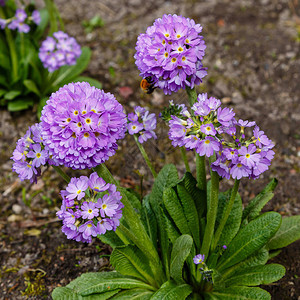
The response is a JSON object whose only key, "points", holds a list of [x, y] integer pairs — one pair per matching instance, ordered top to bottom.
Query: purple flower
{"points": [[2, 2], [20, 15], [36, 17], [2, 23], [58, 50], [170, 52], [225, 116], [81, 125], [134, 127], [208, 129], [262, 139], [207, 146], [38, 155], [248, 157], [238, 171], [96, 183], [77, 187], [107, 205], [89, 210], [104, 225], [88, 229], [224, 247], [199, 259]]}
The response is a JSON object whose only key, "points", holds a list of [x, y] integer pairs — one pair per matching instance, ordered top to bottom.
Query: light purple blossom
{"points": [[36, 17], [58, 50], [171, 53], [81, 125], [208, 146], [38, 155], [76, 188], [89, 210], [199, 259]]}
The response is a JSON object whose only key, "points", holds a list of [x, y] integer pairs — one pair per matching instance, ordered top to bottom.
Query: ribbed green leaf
{"points": [[31, 86], [12, 95], [19, 104], [136, 203], [257, 203], [175, 210], [190, 212], [233, 222], [170, 228], [288, 233], [111, 238], [250, 239], [181, 250], [260, 257], [130, 260], [257, 275], [92, 283], [171, 291], [64, 293], [239, 293], [133, 294]]}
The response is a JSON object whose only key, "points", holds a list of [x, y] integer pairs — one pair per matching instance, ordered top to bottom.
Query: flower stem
{"points": [[192, 94], [146, 157], [185, 160], [201, 172], [61, 173], [212, 208], [227, 213]]}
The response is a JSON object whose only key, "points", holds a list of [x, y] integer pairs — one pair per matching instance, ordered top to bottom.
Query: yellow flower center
{"points": [[178, 36], [180, 49], [183, 58], [174, 59], [75, 112], [83, 112], [69, 120], [88, 121], [79, 124], [86, 134], [207, 142], [38, 155], [247, 155], [78, 192], [104, 206], [90, 211], [89, 225]]}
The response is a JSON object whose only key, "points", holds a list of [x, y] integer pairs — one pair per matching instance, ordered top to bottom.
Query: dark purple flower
{"points": [[58, 50], [170, 52], [81, 125]]}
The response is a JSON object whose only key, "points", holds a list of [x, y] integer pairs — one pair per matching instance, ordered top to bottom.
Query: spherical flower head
{"points": [[58, 50], [171, 53], [142, 123], [81, 125], [30, 155], [90, 207], [199, 259]]}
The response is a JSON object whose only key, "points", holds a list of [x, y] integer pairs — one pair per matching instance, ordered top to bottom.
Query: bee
{"points": [[147, 85]]}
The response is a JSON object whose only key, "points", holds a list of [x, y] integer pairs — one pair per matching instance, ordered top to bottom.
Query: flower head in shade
{"points": [[2, 2], [58, 50], [171, 53], [143, 123], [81, 125], [201, 129], [30, 154], [243, 156], [91, 213], [199, 259]]}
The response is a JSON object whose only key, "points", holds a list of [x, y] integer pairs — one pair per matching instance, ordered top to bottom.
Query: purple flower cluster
{"points": [[20, 21], [58, 51], [170, 52], [142, 123], [81, 125], [201, 129], [30, 155], [244, 157], [90, 207]]}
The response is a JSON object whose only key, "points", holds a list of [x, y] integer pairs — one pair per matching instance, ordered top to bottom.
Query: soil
{"points": [[253, 60]]}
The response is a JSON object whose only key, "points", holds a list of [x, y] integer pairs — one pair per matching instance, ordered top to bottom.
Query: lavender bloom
{"points": [[2, 2], [36, 17], [2, 23], [58, 50], [170, 52], [142, 123], [81, 125], [30, 155], [91, 213], [199, 259]]}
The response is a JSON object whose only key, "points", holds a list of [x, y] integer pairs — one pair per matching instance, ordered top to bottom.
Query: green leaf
{"points": [[43, 24], [66, 74], [91, 81], [31, 86], [12, 95], [19, 104], [41, 105], [133, 199], [257, 203], [175, 210], [190, 212], [233, 222], [170, 227], [288, 233], [111, 238], [249, 239], [181, 250], [274, 253], [260, 257], [130, 260], [257, 275], [91, 283], [171, 291], [64, 293], [239, 293], [134, 294]]}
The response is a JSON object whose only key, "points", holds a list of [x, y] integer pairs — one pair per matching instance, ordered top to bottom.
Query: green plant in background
{"points": [[93, 23], [24, 79]]}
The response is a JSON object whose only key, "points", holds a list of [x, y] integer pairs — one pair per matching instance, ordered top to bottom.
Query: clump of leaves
{"points": [[93, 23]]}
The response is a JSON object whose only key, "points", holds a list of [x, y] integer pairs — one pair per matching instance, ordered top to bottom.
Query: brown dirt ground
{"points": [[253, 62]]}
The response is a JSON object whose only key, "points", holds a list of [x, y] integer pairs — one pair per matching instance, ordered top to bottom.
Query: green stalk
{"points": [[52, 14], [13, 53], [192, 94], [146, 157], [185, 160], [201, 172], [61, 173], [212, 209], [227, 213], [136, 231]]}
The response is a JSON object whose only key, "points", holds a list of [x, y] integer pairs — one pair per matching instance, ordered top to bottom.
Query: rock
{"points": [[17, 209]]}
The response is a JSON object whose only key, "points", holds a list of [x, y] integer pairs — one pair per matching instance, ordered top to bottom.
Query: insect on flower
{"points": [[147, 85]]}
